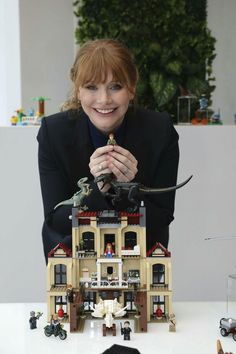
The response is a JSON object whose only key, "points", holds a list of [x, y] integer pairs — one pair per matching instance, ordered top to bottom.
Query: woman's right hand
{"points": [[99, 164]]}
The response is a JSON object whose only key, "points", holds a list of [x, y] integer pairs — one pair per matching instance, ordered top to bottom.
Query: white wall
{"points": [[221, 20], [37, 49], [47, 51], [10, 76], [204, 208], [22, 265]]}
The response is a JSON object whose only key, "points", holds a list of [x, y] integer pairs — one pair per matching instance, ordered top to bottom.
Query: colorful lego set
{"points": [[108, 273]]}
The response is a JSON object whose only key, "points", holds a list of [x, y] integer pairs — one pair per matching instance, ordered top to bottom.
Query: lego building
{"points": [[109, 260]]}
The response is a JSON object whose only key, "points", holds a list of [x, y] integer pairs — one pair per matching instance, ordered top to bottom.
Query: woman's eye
{"points": [[91, 87], [116, 87]]}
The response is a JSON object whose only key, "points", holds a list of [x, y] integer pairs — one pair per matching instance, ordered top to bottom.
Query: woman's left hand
{"points": [[122, 163]]}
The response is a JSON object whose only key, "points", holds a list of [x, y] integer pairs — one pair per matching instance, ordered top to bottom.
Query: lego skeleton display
{"points": [[108, 309]]}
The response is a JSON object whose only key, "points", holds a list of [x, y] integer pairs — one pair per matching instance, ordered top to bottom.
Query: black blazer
{"points": [[64, 151]]}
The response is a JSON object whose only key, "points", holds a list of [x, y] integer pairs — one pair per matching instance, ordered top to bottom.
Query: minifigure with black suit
{"points": [[126, 330]]}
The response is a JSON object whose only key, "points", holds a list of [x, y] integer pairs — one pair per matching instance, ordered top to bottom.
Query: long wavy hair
{"points": [[93, 62]]}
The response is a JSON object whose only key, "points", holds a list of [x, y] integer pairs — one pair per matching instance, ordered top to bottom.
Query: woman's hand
{"points": [[113, 159], [122, 164], [99, 165]]}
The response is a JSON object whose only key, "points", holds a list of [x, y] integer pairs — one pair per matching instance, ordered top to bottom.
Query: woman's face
{"points": [[105, 103]]}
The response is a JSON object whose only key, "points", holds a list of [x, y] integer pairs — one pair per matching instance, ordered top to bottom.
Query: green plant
{"points": [[172, 46]]}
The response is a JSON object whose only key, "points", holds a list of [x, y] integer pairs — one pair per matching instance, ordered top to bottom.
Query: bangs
{"points": [[95, 67]]}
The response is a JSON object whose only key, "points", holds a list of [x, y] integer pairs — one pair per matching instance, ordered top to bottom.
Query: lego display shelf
{"points": [[197, 333]]}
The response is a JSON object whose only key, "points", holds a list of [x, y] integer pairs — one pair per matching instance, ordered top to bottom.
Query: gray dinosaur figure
{"points": [[78, 197]]}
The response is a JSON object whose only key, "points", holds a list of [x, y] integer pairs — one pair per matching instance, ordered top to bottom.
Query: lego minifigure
{"points": [[111, 140], [109, 251], [69, 293], [60, 312], [159, 312], [33, 319], [172, 323], [55, 324], [55, 328], [126, 330]]}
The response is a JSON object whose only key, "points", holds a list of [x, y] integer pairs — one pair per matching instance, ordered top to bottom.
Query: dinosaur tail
{"points": [[164, 190]]}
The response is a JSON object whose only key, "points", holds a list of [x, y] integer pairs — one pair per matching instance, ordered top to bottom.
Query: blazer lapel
{"points": [[134, 141]]}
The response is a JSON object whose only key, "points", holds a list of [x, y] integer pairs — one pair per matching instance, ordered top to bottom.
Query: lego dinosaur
{"points": [[132, 189], [77, 199]]}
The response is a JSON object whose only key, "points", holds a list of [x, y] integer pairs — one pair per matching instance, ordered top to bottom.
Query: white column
{"points": [[98, 272], [120, 272]]}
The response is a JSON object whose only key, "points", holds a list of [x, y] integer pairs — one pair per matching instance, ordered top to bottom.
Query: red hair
{"points": [[93, 62]]}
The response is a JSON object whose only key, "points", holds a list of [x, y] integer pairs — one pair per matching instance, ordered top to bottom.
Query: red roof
{"points": [[123, 213], [87, 214], [158, 245], [66, 249]]}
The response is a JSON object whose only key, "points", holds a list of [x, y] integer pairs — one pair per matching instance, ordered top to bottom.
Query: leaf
{"points": [[174, 67], [197, 86], [163, 88]]}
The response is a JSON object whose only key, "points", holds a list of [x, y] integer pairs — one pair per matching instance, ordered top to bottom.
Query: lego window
{"points": [[130, 240], [88, 241], [60, 274], [133, 274], [158, 274], [109, 295], [89, 299], [129, 301], [60, 302], [158, 306]]}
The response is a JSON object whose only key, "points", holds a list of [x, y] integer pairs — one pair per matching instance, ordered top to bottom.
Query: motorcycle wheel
{"points": [[47, 333], [62, 335]]}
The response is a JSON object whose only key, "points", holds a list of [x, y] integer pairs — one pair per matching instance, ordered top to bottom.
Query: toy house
{"points": [[109, 260]]}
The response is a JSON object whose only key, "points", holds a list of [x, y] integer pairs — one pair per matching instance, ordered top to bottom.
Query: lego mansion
{"points": [[109, 260]]}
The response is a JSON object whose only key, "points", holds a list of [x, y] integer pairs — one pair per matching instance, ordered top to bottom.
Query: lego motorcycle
{"points": [[58, 331]]}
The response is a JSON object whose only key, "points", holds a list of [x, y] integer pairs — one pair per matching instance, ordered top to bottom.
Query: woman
{"points": [[73, 143]]}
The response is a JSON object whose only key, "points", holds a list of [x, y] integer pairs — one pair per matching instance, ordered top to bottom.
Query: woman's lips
{"points": [[105, 111]]}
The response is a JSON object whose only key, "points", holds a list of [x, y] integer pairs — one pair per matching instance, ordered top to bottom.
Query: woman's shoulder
{"points": [[61, 119], [59, 126]]}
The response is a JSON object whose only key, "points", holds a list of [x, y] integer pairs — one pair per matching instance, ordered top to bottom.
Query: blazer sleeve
{"points": [[54, 184]]}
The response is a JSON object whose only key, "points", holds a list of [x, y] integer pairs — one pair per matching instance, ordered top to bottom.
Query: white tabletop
{"points": [[197, 332]]}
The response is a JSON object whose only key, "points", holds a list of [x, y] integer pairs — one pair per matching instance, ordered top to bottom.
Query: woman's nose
{"points": [[103, 96]]}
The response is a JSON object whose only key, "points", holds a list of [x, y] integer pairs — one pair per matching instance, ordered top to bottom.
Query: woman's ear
{"points": [[132, 94]]}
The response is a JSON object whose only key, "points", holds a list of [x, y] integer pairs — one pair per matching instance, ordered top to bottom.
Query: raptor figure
{"points": [[132, 189], [77, 199]]}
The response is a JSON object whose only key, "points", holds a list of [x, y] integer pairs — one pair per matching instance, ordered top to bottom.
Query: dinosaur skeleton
{"points": [[108, 309]]}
